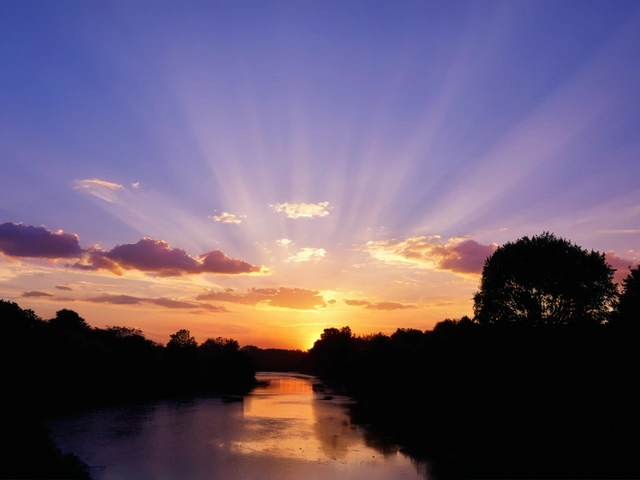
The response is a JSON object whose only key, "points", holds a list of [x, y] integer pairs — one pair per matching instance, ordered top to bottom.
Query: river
{"points": [[283, 429]]}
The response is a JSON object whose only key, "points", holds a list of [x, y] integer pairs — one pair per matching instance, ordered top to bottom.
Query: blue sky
{"points": [[367, 151]]}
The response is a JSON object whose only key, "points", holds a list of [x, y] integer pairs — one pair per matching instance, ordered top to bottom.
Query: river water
{"points": [[281, 430]]}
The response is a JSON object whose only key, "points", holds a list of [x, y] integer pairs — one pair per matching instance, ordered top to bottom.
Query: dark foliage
{"points": [[543, 280], [628, 314], [63, 364]]}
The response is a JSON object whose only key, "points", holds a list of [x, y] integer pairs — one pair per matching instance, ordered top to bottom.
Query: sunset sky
{"points": [[263, 170]]}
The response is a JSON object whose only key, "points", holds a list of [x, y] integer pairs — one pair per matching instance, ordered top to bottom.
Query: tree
{"points": [[545, 280], [629, 306], [69, 320], [182, 339], [220, 345]]}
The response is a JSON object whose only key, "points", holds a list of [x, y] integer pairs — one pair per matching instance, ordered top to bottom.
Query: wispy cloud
{"points": [[136, 185], [99, 188], [303, 210], [226, 217], [615, 232], [19, 240], [308, 254], [458, 255], [63, 287], [297, 298], [159, 301], [384, 306]]}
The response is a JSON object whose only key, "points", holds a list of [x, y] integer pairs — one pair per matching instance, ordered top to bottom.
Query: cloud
{"points": [[95, 182], [136, 185], [99, 188], [303, 210], [226, 217], [622, 231], [19, 240], [284, 242], [307, 255], [458, 255], [156, 256], [622, 266], [63, 287], [36, 294], [296, 298], [116, 299], [160, 301], [331, 302], [379, 305]]}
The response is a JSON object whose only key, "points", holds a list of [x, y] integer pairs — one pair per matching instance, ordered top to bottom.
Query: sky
{"points": [[263, 170]]}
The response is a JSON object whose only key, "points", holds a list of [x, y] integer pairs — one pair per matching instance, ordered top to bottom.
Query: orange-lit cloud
{"points": [[96, 182], [99, 188], [303, 210], [226, 217], [19, 240], [308, 254], [458, 255], [156, 256], [622, 266], [36, 294], [297, 298], [160, 301], [379, 305]]}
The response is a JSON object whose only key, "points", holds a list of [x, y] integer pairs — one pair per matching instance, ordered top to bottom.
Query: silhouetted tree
{"points": [[545, 280], [628, 314], [69, 320], [124, 332], [182, 339], [220, 345], [330, 354]]}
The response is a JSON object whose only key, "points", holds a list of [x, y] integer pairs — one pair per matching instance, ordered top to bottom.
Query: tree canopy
{"points": [[545, 280], [629, 306], [182, 339]]}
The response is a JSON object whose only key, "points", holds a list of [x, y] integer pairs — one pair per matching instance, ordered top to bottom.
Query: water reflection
{"points": [[282, 430]]}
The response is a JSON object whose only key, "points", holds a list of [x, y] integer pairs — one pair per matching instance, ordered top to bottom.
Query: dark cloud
{"points": [[19, 240], [146, 255], [156, 256], [63, 287], [36, 294], [297, 298], [160, 301], [331, 302], [378, 305]]}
